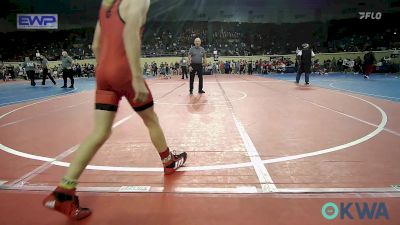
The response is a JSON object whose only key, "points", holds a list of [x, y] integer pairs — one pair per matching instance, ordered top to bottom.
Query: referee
{"points": [[197, 58], [66, 64], [45, 67]]}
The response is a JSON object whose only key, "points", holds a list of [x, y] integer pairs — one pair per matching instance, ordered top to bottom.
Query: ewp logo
{"points": [[370, 15], [37, 21], [362, 211]]}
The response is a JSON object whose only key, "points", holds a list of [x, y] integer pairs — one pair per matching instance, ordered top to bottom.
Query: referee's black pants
{"points": [[197, 68], [306, 71], [68, 73], [45, 74], [31, 76]]}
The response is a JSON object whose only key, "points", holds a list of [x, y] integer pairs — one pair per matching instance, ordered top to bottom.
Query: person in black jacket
{"points": [[304, 56]]}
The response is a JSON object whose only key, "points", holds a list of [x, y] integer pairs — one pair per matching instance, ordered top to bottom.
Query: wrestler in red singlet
{"points": [[117, 49], [113, 74]]}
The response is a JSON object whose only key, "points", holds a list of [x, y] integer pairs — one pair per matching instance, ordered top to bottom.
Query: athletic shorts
{"points": [[109, 94]]}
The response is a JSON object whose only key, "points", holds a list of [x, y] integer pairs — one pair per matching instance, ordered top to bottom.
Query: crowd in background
{"points": [[229, 39], [278, 64], [14, 71]]}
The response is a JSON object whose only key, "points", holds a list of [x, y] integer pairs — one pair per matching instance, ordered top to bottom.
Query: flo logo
{"points": [[370, 15], [351, 211]]}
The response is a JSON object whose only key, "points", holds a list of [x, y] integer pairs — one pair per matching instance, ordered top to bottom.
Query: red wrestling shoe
{"points": [[173, 162], [66, 202]]}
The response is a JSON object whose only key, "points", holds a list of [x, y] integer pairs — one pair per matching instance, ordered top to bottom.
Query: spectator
{"points": [[369, 61]]}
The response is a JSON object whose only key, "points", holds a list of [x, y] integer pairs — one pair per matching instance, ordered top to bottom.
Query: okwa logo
{"points": [[370, 15], [355, 210]]}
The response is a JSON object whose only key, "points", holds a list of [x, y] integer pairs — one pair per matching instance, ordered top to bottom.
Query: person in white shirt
{"points": [[304, 56]]}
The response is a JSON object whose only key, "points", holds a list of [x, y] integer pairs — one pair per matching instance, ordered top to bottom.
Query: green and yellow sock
{"points": [[67, 183]]}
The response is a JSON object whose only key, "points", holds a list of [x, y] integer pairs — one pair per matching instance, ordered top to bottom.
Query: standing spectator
{"points": [[304, 57], [369, 61], [333, 65], [340, 65], [345, 65], [351, 65], [358, 65], [1, 66], [327, 66], [221, 67], [227, 67], [237, 67], [242, 67], [258, 67], [145, 68], [172, 68], [178, 68], [184, 68], [214, 68], [250, 68], [154, 69], [167, 69], [78, 70], [162, 70], [259, 70], [11, 71], [3, 72], [21, 72]]}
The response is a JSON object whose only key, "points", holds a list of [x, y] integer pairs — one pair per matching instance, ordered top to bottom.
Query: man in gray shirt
{"points": [[197, 58], [66, 65], [45, 66], [29, 67]]}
